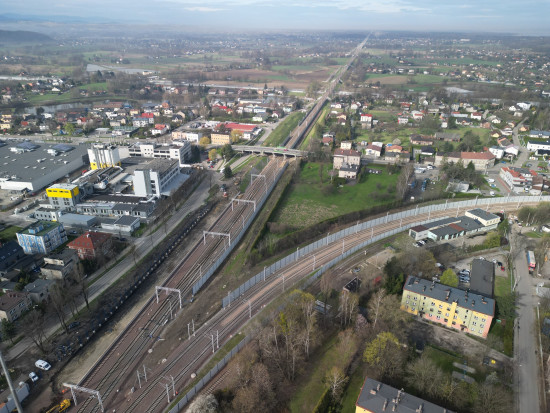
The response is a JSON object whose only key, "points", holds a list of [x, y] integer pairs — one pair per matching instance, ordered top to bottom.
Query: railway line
{"points": [[192, 353], [123, 357]]}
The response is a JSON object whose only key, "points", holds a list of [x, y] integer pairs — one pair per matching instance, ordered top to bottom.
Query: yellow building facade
{"points": [[451, 307]]}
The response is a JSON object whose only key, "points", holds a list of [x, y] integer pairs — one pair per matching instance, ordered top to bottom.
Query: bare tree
{"points": [[407, 172], [79, 279], [326, 288], [58, 302], [307, 304], [375, 305], [347, 308], [33, 327], [425, 376], [336, 380], [492, 399]]}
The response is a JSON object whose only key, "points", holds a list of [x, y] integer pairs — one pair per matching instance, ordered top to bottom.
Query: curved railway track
{"points": [[191, 354]]}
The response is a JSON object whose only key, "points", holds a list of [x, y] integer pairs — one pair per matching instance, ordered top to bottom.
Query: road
{"points": [[143, 247], [526, 342]]}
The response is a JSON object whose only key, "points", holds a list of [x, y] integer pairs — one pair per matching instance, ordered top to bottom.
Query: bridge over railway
{"points": [[266, 150]]}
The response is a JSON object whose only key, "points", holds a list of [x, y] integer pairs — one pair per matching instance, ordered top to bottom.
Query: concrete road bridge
{"points": [[266, 150]]}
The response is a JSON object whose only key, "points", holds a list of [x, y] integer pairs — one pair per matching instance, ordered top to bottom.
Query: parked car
{"points": [[490, 180], [42, 364], [33, 376]]}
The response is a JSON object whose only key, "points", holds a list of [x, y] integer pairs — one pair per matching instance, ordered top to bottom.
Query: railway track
{"points": [[133, 343]]}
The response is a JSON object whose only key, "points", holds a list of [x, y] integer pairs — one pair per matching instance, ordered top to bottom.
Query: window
{"points": [[415, 298], [407, 302], [433, 303], [440, 306], [448, 308], [446, 314], [438, 317], [475, 317], [454, 318], [483, 319], [446, 320], [454, 323], [474, 323], [482, 325], [481, 331]]}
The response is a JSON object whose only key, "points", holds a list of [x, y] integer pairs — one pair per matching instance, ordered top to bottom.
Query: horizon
{"points": [[491, 17]]}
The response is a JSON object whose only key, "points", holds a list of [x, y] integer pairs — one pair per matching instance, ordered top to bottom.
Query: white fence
{"points": [[482, 203]]}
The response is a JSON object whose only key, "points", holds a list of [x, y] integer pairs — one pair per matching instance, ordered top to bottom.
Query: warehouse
{"points": [[30, 166]]}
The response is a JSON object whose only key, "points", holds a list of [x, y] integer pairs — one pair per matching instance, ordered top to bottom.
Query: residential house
{"points": [[476, 116], [366, 118], [402, 120], [160, 129], [541, 134], [447, 137], [220, 138], [328, 140], [421, 140], [346, 145], [536, 145], [390, 148], [373, 150], [498, 152], [346, 156], [480, 160], [348, 171], [517, 178], [92, 245], [10, 253], [59, 266], [39, 290], [13, 304], [454, 308], [378, 397]]}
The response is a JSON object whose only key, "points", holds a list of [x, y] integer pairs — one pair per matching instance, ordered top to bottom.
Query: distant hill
{"points": [[21, 36]]}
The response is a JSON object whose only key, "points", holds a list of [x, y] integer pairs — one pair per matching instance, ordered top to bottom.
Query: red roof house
{"points": [[92, 245]]}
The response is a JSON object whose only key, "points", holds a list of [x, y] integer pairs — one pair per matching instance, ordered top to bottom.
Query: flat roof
{"points": [[25, 165], [159, 165], [119, 199], [485, 215], [126, 220], [46, 225], [482, 277], [464, 299], [377, 397]]}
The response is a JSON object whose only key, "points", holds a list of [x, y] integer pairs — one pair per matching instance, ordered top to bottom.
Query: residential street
{"points": [[143, 246], [526, 342]]}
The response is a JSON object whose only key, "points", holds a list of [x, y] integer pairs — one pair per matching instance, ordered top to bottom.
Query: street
{"points": [[526, 342]]}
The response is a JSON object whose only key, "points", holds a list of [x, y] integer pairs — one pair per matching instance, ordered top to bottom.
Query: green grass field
{"points": [[92, 87], [281, 132], [310, 201], [9, 233], [502, 285], [352, 391]]}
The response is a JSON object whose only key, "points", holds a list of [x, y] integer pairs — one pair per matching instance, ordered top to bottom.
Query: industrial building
{"points": [[180, 152], [103, 156], [30, 167], [155, 178], [63, 196], [476, 220]]}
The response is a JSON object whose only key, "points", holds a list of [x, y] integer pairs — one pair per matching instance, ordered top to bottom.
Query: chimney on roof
{"points": [[473, 302], [378, 387], [373, 391], [385, 405], [394, 407], [419, 410]]}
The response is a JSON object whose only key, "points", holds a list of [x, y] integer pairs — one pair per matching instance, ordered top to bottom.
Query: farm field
{"points": [[311, 199]]}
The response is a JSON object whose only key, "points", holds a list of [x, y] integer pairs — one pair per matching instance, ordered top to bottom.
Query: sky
{"points": [[522, 17]]}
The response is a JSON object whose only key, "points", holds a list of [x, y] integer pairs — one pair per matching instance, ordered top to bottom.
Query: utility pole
{"points": [[249, 310], [10, 384]]}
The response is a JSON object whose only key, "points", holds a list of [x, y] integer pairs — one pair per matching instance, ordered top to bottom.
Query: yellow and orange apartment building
{"points": [[452, 307]]}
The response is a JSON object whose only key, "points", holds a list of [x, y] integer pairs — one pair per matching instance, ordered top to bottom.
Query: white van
{"points": [[41, 364]]}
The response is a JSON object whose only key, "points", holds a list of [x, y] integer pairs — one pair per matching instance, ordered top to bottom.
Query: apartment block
{"points": [[452, 307]]}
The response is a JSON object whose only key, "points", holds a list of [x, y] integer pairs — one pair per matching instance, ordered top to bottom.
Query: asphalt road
{"points": [[526, 342]]}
